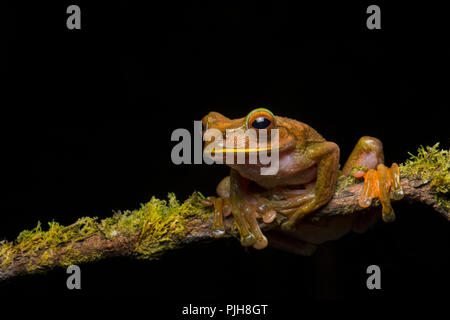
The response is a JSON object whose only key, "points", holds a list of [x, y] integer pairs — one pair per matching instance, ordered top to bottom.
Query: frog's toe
{"points": [[394, 178], [384, 184], [370, 188], [208, 202], [226, 207], [388, 213], [269, 216], [288, 226], [218, 229], [218, 233], [248, 240], [261, 243]]}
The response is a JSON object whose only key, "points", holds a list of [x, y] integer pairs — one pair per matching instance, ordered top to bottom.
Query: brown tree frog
{"points": [[304, 182]]}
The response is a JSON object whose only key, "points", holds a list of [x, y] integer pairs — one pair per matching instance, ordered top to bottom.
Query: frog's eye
{"points": [[260, 119]]}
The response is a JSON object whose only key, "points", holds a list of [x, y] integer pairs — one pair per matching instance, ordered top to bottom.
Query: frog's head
{"points": [[251, 134]]}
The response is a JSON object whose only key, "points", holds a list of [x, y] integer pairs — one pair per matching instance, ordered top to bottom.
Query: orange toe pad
{"points": [[384, 184]]}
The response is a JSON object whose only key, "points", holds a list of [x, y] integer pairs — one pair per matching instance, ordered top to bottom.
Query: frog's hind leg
{"points": [[367, 153], [327, 155], [379, 181]]}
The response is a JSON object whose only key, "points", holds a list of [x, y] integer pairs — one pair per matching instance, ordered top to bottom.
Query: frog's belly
{"points": [[290, 173], [291, 179]]}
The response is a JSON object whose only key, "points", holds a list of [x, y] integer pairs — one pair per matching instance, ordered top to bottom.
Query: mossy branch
{"points": [[159, 225]]}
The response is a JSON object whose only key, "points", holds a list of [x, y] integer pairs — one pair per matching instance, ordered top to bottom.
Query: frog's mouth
{"points": [[248, 145], [241, 146], [240, 150], [223, 153]]}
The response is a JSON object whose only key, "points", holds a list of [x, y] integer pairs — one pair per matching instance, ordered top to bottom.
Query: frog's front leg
{"points": [[326, 155], [379, 181], [234, 198], [222, 207], [244, 212]]}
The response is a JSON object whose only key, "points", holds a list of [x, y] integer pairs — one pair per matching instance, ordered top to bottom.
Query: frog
{"points": [[304, 182]]}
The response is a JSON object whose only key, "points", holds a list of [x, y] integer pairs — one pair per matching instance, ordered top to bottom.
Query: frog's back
{"points": [[303, 132]]}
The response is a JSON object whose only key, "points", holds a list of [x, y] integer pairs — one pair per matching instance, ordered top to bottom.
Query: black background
{"points": [[88, 115]]}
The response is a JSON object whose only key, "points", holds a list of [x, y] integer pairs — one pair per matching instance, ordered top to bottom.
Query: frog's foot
{"points": [[384, 184], [283, 201], [244, 203], [309, 204], [287, 207], [295, 207], [245, 215], [255, 238]]}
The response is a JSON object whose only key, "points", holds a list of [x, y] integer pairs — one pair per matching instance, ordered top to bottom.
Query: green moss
{"points": [[431, 165], [345, 181], [443, 202], [163, 222], [157, 224], [36, 239], [29, 242], [6, 253], [73, 256], [64, 257]]}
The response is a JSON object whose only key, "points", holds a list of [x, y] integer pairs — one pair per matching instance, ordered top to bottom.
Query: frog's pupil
{"points": [[260, 123]]}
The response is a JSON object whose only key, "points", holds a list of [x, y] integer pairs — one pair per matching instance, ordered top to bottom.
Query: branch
{"points": [[159, 226]]}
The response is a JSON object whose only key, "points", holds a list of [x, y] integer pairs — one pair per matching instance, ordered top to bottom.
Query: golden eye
{"points": [[260, 119]]}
